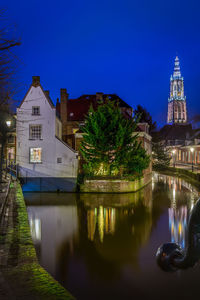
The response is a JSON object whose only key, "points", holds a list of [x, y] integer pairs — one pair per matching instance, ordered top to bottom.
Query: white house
{"points": [[45, 162]]}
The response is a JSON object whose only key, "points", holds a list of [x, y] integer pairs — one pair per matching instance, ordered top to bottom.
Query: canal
{"points": [[103, 246]]}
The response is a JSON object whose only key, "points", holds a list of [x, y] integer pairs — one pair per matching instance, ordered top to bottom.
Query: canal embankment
{"points": [[188, 175], [110, 185], [22, 277]]}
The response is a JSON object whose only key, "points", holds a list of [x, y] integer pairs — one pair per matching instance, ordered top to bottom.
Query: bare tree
{"points": [[7, 42]]}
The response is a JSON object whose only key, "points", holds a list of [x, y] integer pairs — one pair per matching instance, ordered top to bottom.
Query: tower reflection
{"points": [[178, 225]]}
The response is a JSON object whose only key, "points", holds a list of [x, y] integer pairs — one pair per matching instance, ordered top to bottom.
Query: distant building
{"points": [[177, 111], [175, 134], [45, 162]]}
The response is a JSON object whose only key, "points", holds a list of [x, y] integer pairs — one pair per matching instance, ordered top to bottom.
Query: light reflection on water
{"points": [[103, 240]]}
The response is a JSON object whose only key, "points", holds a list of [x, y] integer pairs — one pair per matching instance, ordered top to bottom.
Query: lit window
{"points": [[35, 110], [71, 114], [35, 132], [35, 155]]}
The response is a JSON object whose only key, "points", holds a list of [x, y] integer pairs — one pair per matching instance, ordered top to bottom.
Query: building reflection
{"points": [[35, 226], [51, 226]]}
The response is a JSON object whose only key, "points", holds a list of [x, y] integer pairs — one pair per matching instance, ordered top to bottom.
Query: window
{"points": [[35, 110], [35, 132], [11, 139], [10, 154], [35, 155], [59, 160]]}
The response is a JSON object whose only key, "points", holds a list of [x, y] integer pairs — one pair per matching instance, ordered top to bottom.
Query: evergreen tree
{"points": [[145, 117], [109, 145], [161, 157]]}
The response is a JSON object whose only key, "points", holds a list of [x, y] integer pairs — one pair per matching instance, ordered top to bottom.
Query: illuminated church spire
{"points": [[177, 72], [177, 112]]}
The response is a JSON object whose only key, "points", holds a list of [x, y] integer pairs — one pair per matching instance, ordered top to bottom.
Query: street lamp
{"points": [[8, 123], [5, 125], [192, 150], [173, 153]]}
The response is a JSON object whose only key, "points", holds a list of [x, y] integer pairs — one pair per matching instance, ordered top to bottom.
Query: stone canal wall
{"points": [[188, 175], [114, 186], [20, 267]]}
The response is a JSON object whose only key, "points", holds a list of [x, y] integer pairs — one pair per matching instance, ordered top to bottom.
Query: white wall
{"points": [[51, 146]]}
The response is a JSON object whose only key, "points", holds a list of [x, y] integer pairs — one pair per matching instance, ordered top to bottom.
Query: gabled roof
{"points": [[36, 83], [78, 108], [176, 132]]}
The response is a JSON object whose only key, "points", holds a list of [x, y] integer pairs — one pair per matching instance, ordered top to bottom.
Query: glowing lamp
{"points": [[8, 123]]}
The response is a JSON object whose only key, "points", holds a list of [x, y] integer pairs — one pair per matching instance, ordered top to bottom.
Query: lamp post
{"points": [[3, 132], [192, 150], [173, 153]]}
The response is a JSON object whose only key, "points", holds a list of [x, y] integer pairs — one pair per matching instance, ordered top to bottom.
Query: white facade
{"points": [[40, 151]]}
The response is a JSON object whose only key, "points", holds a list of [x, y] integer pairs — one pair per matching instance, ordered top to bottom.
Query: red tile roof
{"points": [[78, 108]]}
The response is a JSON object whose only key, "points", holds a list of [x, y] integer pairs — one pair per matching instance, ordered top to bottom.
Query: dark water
{"points": [[104, 246]]}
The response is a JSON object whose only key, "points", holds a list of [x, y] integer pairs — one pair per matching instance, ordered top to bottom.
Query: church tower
{"points": [[177, 112]]}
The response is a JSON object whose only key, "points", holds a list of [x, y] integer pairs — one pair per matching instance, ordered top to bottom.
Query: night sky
{"points": [[123, 47]]}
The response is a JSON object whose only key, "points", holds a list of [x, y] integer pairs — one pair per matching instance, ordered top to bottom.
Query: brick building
{"points": [[73, 111], [183, 144]]}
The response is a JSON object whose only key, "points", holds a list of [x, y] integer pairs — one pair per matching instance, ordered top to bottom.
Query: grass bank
{"points": [[24, 274]]}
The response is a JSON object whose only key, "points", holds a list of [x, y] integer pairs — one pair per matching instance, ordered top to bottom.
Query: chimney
{"points": [[35, 81], [47, 93], [99, 96], [63, 110]]}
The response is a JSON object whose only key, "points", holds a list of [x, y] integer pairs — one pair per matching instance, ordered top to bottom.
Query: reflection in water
{"points": [[178, 214], [104, 217], [178, 224], [35, 225], [50, 226], [102, 241], [170, 256]]}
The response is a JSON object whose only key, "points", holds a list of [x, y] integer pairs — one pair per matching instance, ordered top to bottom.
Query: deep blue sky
{"points": [[123, 47]]}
